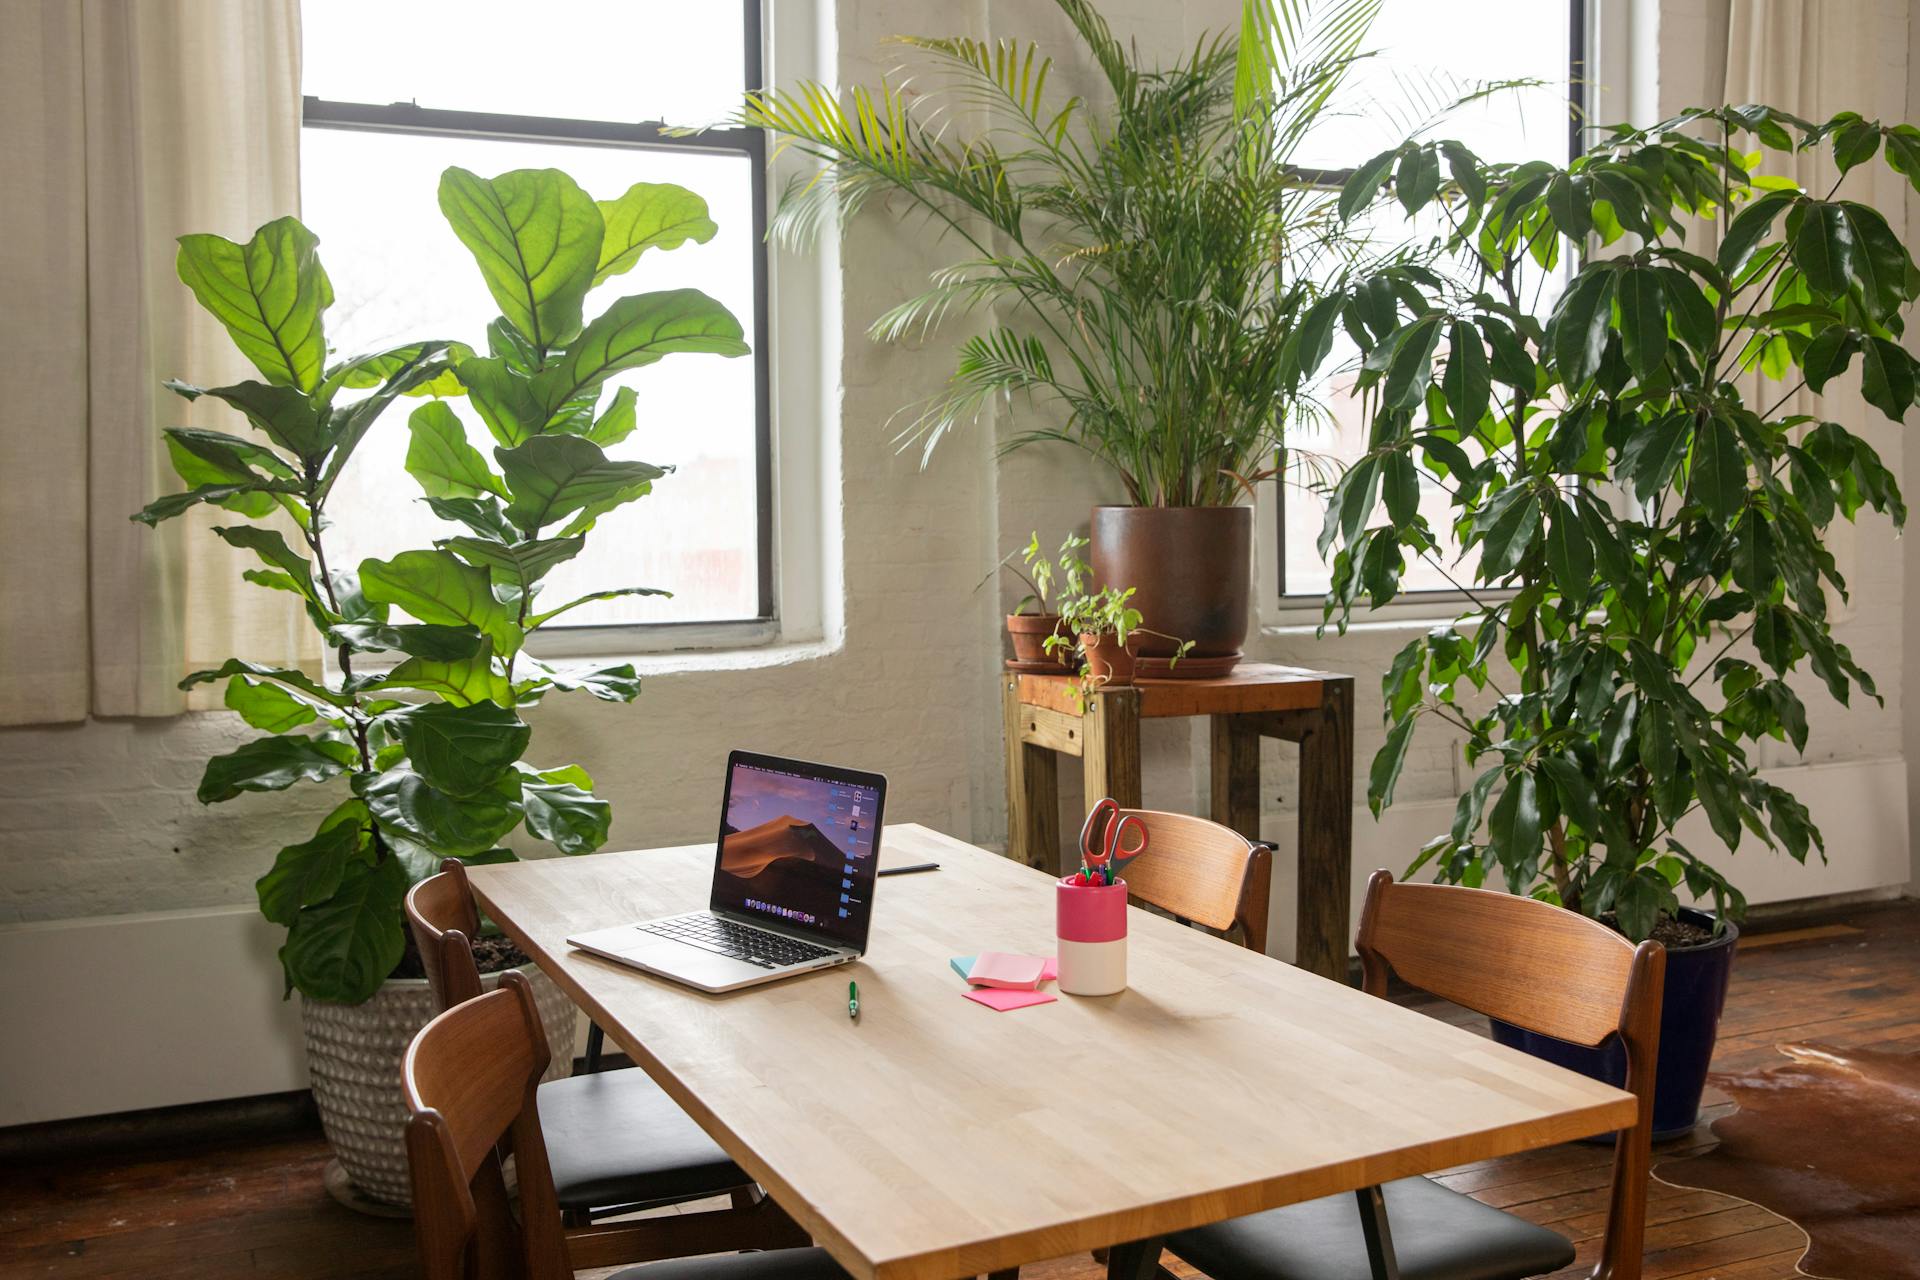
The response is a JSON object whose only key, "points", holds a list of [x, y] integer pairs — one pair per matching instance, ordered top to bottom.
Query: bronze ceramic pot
{"points": [[1192, 572]]}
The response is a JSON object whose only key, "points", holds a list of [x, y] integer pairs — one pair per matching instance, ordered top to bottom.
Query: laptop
{"points": [[793, 881]]}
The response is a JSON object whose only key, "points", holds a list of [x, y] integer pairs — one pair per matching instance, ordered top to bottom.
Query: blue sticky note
{"points": [[963, 965]]}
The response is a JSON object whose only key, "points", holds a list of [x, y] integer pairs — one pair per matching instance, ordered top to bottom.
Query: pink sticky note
{"points": [[998, 969], [1003, 1000]]}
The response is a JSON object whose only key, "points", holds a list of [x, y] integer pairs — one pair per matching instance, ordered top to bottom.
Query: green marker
{"points": [[853, 1000]]}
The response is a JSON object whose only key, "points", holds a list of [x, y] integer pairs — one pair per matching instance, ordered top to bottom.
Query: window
{"points": [[1428, 55], [396, 91]]}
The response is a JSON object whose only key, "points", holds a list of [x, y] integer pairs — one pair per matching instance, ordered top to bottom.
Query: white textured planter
{"points": [[353, 1059]]}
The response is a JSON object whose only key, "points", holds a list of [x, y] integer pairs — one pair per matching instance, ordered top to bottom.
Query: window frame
{"points": [[408, 118], [1300, 607]]}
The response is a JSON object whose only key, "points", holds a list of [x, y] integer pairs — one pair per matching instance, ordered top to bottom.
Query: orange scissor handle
{"points": [[1106, 834]]}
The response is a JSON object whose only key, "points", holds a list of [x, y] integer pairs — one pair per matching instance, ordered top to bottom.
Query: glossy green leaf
{"points": [[1855, 143], [1418, 178], [1365, 183], [649, 215], [1749, 227], [537, 237], [269, 293], [1643, 321], [1581, 324], [633, 332], [1827, 356], [1412, 365], [1886, 377], [1468, 382], [503, 398], [283, 414], [618, 420], [439, 457], [551, 477], [1719, 479], [175, 504], [1513, 520], [273, 550], [1569, 554], [517, 565], [439, 587], [541, 619], [419, 639], [294, 679], [462, 681], [271, 707], [460, 750], [273, 764], [1387, 764], [572, 820], [450, 826], [1515, 827], [308, 873], [342, 949]]}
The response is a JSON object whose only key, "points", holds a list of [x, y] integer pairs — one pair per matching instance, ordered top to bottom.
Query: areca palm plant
{"points": [[1156, 265]]}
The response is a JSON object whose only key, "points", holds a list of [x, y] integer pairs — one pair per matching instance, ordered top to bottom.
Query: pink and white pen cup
{"points": [[1091, 921]]}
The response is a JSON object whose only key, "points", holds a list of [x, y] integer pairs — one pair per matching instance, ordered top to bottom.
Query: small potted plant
{"points": [[1098, 627], [1029, 631]]}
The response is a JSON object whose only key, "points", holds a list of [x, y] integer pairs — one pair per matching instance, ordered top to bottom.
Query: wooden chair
{"points": [[1205, 873], [1537, 966], [472, 1081], [614, 1141]]}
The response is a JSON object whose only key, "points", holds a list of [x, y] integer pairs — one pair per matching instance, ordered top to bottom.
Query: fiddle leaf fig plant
{"points": [[1642, 535], [419, 723]]}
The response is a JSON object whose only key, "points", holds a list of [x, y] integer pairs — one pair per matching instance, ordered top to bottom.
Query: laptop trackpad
{"points": [[692, 964]]}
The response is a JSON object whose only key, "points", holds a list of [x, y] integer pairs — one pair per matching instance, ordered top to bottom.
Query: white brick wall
{"points": [[99, 819]]}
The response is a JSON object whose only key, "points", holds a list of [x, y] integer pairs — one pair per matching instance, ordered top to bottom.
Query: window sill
{"points": [[702, 661]]}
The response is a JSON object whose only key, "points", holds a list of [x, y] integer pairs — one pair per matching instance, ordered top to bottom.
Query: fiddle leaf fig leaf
{"points": [[649, 215], [536, 236], [270, 293], [633, 332], [440, 458], [551, 477], [273, 550], [439, 587], [542, 619], [417, 639], [462, 681], [273, 708], [459, 750], [273, 764], [572, 820], [451, 826], [309, 873], [343, 948]]}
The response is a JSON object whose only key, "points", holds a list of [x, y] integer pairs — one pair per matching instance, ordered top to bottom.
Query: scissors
{"points": [[1104, 840]]}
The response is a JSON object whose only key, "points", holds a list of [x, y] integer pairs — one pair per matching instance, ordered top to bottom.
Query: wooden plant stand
{"points": [[1044, 721]]}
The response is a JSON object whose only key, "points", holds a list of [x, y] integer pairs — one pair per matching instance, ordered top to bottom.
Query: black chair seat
{"points": [[616, 1138], [1437, 1235], [777, 1264]]}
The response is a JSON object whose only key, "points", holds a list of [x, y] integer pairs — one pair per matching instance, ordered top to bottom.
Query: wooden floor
{"points": [[256, 1208]]}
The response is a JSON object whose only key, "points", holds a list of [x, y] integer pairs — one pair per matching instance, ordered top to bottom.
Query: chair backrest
{"points": [[1203, 872], [444, 921], [1544, 968], [471, 1078]]}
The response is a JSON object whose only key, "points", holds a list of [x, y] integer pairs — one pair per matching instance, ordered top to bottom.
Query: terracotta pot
{"points": [[1192, 573], [1029, 632], [1109, 662]]}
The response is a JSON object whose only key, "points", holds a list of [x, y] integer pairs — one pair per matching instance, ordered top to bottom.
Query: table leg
{"points": [[1110, 750], [1236, 774], [1033, 789], [1326, 835], [1377, 1235], [1135, 1260]]}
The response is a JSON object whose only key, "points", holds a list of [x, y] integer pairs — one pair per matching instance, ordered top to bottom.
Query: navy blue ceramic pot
{"points": [[1689, 1023]]}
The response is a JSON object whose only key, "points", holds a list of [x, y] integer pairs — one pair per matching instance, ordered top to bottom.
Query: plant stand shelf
{"points": [[1044, 721]]}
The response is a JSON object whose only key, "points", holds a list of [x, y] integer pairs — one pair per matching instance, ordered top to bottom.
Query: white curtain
{"points": [[1815, 58], [124, 124]]}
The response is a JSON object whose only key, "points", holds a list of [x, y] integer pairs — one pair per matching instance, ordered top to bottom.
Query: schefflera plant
{"points": [[1649, 570], [421, 716]]}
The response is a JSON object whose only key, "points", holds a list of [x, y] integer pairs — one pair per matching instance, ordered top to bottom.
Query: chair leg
{"points": [[596, 1045], [681, 1235], [1379, 1237]]}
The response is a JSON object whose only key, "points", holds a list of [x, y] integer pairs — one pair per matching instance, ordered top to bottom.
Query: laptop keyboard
{"points": [[739, 941]]}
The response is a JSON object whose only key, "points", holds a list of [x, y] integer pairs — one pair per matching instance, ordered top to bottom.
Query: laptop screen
{"points": [[798, 846]]}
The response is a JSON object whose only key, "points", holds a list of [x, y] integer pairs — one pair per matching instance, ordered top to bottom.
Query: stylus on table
{"points": [[908, 870]]}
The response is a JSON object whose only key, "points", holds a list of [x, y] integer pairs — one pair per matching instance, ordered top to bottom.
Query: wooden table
{"points": [[1045, 718], [935, 1138]]}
